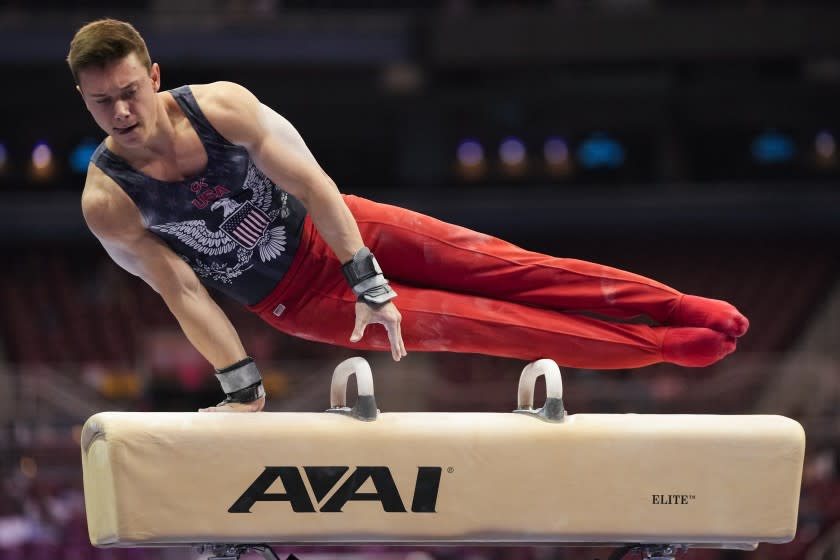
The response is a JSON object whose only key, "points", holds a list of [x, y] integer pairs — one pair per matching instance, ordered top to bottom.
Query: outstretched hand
{"points": [[387, 315], [253, 406]]}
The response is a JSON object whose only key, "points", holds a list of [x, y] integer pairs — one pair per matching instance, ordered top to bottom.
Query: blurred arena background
{"points": [[691, 141]]}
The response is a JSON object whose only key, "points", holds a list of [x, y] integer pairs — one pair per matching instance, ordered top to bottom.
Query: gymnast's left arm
{"points": [[279, 151]]}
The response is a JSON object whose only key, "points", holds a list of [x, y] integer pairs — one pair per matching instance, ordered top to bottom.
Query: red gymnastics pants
{"points": [[463, 291]]}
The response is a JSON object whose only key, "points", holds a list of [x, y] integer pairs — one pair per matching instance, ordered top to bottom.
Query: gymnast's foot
{"points": [[720, 316], [695, 347], [253, 406]]}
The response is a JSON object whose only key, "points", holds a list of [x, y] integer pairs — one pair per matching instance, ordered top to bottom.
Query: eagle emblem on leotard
{"points": [[245, 228]]}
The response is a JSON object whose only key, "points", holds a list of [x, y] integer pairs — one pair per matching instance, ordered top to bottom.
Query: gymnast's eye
{"points": [[103, 101]]}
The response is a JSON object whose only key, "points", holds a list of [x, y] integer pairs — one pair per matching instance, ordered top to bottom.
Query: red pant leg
{"points": [[422, 251], [314, 302], [435, 321]]}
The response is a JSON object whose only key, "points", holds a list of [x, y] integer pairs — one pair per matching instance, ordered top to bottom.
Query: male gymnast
{"points": [[203, 185]]}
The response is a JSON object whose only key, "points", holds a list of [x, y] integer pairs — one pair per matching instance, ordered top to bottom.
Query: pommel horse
{"points": [[228, 482]]}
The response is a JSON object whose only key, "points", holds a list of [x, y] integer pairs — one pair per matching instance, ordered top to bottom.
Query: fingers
{"points": [[389, 317], [359, 330], [395, 337], [397, 343], [403, 351], [253, 406], [213, 409]]}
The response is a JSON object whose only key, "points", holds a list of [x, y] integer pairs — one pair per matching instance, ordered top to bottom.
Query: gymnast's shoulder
{"points": [[227, 105], [107, 209]]}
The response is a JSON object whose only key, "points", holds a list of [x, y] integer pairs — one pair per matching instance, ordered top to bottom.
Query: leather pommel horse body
{"points": [[540, 476]]}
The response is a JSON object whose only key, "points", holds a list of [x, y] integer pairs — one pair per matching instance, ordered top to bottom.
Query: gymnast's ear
{"points": [[154, 74]]}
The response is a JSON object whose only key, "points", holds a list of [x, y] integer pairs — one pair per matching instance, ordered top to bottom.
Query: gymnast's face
{"points": [[122, 98]]}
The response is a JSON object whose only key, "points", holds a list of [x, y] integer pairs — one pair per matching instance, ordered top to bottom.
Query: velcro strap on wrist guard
{"points": [[366, 279], [241, 381], [246, 395]]}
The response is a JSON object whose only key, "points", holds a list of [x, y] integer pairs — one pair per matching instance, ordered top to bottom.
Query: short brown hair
{"points": [[103, 41]]}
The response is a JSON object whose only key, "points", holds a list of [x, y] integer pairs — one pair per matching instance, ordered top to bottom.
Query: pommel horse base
{"points": [[228, 482]]}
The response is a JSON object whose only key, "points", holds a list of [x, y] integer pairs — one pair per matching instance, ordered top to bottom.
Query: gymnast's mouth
{"points": [[126, 130]]}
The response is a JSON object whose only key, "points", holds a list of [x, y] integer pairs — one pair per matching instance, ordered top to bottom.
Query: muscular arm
{"points": [[279, 151], [115, 221]]}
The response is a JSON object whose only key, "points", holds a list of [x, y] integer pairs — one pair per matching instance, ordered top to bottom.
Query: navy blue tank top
{"points": [[237, 230]]}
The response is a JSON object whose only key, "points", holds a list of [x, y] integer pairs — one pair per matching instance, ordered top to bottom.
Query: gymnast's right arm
{"points": [[116, 222]]}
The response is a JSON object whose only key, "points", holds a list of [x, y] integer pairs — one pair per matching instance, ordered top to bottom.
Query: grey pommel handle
{"points": [[365, 407], [552, 410]]}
